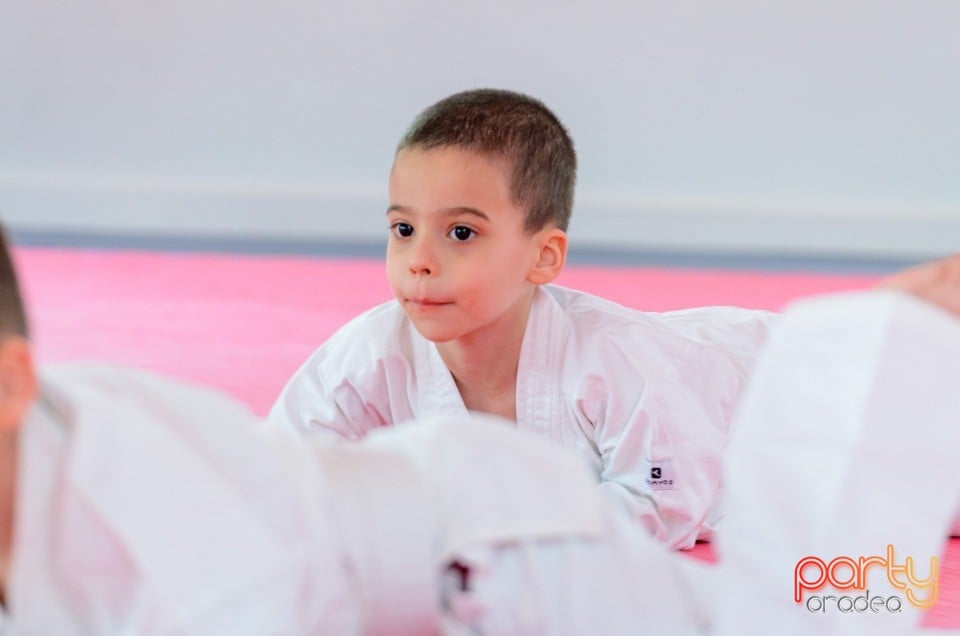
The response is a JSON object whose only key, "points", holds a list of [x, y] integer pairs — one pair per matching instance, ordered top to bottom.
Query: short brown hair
{"points": [[514, 127], [13, 318]]}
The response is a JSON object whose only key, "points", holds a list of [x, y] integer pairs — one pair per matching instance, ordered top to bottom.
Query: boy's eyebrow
{"points": [[455, 211]]}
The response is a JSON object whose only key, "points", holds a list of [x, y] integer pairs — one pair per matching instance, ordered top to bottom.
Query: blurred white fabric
{"points": [[846, 442]]}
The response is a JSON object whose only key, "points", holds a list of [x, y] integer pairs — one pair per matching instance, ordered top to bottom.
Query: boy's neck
{"points": [[484, 363], [8, 490]]}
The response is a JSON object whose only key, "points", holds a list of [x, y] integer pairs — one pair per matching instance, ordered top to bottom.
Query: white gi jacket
{"points": [[644, 398], [845, 442], [149, 507]]}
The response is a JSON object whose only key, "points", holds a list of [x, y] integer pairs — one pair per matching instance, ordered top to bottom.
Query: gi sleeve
{"points": [[317, 401], [662, 412], [660, 442]]}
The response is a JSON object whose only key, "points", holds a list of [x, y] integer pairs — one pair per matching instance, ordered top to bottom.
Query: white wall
{"points": [[814, 126]]}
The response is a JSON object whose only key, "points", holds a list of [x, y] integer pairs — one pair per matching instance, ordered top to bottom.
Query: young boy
{"points": [[481, 192]]}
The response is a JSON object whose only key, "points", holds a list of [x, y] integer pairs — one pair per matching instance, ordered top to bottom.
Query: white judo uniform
{"points": [[646, 399], [845, 442], [149, 507]]}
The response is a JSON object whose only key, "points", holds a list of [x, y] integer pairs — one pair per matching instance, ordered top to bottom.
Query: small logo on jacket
{"points": [[660, 475]]}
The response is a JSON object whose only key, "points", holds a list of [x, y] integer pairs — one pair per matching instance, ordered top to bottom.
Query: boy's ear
{"points": [[551, 257], [18, 381]]}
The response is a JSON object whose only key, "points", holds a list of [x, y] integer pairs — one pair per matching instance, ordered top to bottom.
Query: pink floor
{"points": [[245, 323]]}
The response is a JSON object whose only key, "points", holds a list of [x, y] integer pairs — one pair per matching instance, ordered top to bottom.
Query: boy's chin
{"points": [[436, 335]]}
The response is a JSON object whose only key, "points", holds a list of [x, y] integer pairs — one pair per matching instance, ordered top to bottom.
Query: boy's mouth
{"points": [[428, 302]]}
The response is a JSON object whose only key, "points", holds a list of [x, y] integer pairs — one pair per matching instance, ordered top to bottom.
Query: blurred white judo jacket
{"points": [[646, 399], [845, 442], [145, 506], [149, 507]]}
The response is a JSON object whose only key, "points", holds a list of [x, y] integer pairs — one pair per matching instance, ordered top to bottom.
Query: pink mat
{"points": [[245, 323]]}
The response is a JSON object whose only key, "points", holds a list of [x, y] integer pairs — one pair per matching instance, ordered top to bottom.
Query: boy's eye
{"points": [[403, 230], [462, 233]]}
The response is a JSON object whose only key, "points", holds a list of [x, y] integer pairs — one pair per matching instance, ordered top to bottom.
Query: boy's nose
{"points": [[421, 261]]}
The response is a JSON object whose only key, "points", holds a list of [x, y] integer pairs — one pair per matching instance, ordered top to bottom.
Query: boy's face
{"points": [[458, 257]]}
